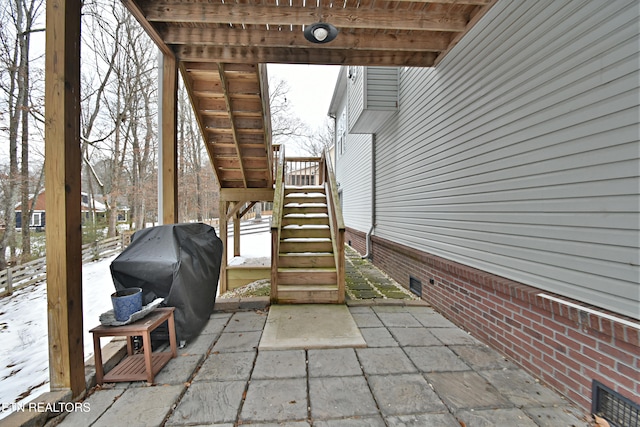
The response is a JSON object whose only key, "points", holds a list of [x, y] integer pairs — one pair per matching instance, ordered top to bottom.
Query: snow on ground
{"points": [[24, 354], [24, 358]]}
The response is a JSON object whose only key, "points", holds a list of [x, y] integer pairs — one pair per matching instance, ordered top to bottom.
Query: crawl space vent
{"points": [[415, 286], [616, 409]]}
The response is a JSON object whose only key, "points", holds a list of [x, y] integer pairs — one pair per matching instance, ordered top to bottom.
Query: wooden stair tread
{"points": [[306, 270], [307, 288]]}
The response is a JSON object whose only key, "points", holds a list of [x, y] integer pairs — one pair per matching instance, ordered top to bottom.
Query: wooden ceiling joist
{"points": [[256, 14], [221, 48], [306, 56]]}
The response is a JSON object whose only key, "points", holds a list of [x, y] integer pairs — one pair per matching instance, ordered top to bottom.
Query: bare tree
{"points": [[18, 18], [100, 59], [120, 110], [285, 124], [315, 143], [198, 187]]}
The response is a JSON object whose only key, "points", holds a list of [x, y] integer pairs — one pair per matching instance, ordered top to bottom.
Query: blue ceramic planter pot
{"points": [[126, 302]]}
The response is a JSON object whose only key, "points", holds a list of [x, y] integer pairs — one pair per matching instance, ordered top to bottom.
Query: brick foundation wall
{"points": [[357, 238], [564, 347]]}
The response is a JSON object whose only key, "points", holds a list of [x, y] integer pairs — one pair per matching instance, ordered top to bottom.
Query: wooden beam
{"points": [[456, 2], [137, 13], [476, 15], [348, 17], [417, 41], [311, 55], [227, 98], [266, 117], [168, 162], [62, 174], [246, 194], [235, 208], [247, 209], [223, 224], [236, 235]]}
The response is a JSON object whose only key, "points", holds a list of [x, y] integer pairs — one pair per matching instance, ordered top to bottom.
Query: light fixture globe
{"points": [[320, 32]]}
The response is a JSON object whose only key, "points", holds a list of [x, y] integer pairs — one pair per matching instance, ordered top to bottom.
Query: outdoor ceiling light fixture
{"points": [[320, 32]]}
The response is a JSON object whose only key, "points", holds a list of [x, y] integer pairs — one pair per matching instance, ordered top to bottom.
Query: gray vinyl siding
{"points": [[382, 88], [355, 91], [373, 97], [519, 155], [354, 175]]}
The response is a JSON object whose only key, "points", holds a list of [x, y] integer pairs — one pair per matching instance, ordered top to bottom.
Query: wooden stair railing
{"points": [[307, 234]]}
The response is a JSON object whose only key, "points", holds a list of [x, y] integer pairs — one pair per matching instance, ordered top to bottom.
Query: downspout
{"points": [[373, 197]]}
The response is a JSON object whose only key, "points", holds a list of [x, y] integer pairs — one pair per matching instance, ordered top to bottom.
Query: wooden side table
{"points": [[136, 367]]}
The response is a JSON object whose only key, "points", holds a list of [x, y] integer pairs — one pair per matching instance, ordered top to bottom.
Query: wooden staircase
{"points": [[308, 246], [306, 264]]}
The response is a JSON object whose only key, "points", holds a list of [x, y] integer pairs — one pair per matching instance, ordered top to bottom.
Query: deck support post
{"points": [[168, 151], [63, 181], [223, 219], [236, 234]]}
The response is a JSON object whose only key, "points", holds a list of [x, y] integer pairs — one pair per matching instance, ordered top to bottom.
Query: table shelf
{"points": [[136, 367], [133, 368]]}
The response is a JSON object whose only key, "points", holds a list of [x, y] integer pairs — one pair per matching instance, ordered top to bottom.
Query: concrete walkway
{"points": [[418, 369]]}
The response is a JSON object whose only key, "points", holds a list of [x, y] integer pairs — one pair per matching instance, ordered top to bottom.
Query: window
{"points": [[341, 131], [36, 219]]}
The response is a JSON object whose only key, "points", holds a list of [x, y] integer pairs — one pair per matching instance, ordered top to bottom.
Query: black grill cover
{"points": [[177, 262]]}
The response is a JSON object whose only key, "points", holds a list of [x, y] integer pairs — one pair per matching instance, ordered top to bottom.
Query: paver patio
{"points": [[417, 370]]}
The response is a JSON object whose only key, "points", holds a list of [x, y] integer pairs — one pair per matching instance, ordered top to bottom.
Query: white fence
{"points": [[36, 271]]}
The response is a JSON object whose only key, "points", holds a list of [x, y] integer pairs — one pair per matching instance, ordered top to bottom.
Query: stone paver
{"points": [[431, 319], [367, 320], [245, 321], [453, 336], [378, 337], [414, 337], [237, 342], [200, 345], [481, 357], [435, 359], [387, 360], [339, 362], [280, 364], [227, 367], [179, 370], [417, 370], [521, 388], [466, 390], [405, 394], [340, 397], [276, 400], [209, 402], [98, 403], [152, 404], [556, 416], [495, 418], [422, 420], [352, 422]]}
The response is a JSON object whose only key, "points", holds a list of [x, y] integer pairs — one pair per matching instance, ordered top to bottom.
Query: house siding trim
{"points": [[563, 346]]}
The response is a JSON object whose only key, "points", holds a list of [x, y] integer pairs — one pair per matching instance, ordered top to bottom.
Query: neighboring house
{"points": [[303, 175], [502, 185], [37, 221]]}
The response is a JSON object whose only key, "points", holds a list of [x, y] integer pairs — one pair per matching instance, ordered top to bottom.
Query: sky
{"points": [[311, 89]]}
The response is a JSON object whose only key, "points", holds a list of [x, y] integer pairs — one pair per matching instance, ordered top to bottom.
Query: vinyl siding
{"points": [[381, 88], [355, 91], [519, 154], [354, 175]]}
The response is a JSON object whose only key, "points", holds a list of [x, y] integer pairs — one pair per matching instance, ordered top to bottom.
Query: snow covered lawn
{"points": [[24, 353]]}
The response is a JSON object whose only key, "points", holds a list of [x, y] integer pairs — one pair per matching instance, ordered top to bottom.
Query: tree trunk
{"points": [[23, 80]]}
